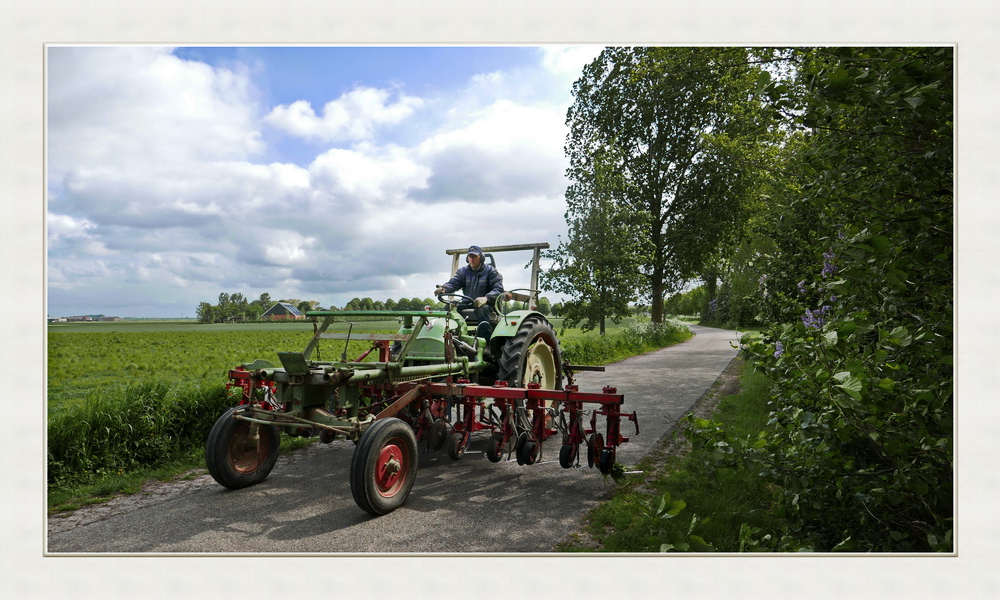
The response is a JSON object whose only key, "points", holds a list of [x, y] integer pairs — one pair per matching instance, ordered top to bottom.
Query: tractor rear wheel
{"points": [[532, 356], [238, 453], [384, 466]]}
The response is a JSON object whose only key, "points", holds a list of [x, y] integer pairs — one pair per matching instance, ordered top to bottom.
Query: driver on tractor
{"points": [[481, 282]]}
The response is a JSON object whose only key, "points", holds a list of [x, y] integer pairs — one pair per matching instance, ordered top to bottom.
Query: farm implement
{"points": [[444, 376]]}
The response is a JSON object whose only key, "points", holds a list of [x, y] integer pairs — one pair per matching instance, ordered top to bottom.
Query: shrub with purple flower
{"points": [[828, 267], [814, 319]]}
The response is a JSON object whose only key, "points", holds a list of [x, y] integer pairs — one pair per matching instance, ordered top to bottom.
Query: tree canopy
{"points": [[681, 129], [815, 186]]}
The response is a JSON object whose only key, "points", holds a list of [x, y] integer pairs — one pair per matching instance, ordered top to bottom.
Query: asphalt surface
{"points": [[465, 506]]}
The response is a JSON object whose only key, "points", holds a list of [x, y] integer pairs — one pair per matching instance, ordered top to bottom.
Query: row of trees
{"points": [[668, 148], [809, 189], [236, 307]]}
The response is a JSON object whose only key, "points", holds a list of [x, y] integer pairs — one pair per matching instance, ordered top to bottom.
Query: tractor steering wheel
{"points": [[441, 298]]}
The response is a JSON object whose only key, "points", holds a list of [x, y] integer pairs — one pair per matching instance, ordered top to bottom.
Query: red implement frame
{"points": [[500, 409]]}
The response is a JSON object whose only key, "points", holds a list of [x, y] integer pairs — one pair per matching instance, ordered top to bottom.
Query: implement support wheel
{"points": [[456, 445], [496, 449], [238, 453], [528, 453], [568, 454], [606, 461], [384, 466]]}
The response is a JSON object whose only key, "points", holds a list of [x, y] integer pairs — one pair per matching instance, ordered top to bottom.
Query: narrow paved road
{"points": [[472, 505]]}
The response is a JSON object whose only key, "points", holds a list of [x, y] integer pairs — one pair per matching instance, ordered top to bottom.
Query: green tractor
{"points": [[520, 345]]}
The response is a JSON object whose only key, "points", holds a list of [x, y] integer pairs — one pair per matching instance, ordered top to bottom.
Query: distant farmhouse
{"points": [[282, 310]]}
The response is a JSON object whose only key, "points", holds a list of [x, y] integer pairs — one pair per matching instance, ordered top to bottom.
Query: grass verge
{"points": [[105, 486], [679, 502]]}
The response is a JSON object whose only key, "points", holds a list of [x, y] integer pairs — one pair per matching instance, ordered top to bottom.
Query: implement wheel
{"points": [[456, 445], [496, 449], [528, 453], [239, 454], [568, 454], [606, 461], [384, 466]]}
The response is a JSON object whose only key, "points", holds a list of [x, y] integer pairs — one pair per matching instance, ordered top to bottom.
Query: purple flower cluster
{"points": [[828, 267], [802, 287], [814, 319], [779, 350]]}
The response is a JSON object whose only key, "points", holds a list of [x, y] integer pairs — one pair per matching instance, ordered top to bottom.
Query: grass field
{"points": [[86, 358]]}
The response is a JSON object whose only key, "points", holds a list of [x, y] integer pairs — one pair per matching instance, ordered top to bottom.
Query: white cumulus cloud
{"points": [[134, 107], [354, 116]]}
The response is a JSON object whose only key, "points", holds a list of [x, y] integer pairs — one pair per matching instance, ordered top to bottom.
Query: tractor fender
{"points": [[508, 325]]}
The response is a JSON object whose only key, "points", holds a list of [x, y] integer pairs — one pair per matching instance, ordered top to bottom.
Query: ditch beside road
{"points": [[470, 505]]}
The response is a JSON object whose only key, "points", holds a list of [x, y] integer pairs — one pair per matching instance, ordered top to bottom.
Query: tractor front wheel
{"points": [[239, 453], [384, 466]]}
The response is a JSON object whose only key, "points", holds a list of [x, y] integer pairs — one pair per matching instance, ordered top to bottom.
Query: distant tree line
{"points": [[236, 307]]}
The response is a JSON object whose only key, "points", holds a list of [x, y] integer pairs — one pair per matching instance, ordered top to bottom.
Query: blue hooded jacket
{"points": [[485, 281]]}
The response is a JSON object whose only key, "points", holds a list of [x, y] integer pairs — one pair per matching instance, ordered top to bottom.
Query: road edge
{"points": [[669, 446]]}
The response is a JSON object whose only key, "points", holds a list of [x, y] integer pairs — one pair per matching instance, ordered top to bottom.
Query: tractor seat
{"points": [[475, 319]]}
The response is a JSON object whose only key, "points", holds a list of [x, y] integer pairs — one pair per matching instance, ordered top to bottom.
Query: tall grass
{"points": [[635, 338], [139, 426]]}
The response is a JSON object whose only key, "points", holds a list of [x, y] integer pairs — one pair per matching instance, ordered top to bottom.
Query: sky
{"points": [[315, 173]]}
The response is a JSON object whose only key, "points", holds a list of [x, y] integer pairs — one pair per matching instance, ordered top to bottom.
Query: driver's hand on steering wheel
{"points": [[439, 290], [480, 301]]}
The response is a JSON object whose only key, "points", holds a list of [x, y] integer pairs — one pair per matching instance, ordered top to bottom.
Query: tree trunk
{"points": [[657, 279], [711, 281], [657, 312]]}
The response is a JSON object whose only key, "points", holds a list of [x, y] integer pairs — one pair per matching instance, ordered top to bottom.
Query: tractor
{"points": [[443, 376]]}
